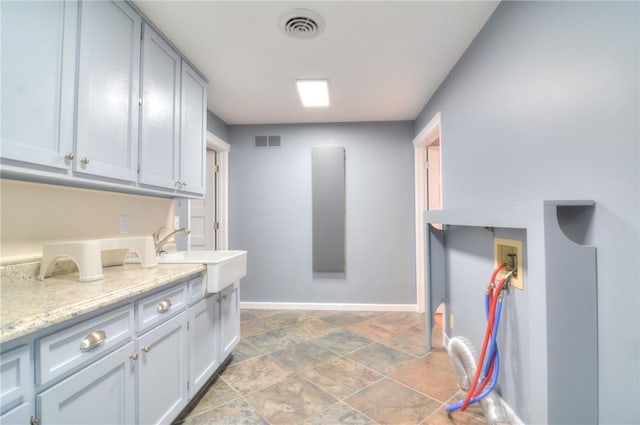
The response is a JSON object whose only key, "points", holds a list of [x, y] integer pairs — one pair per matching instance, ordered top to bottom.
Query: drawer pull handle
{"points": [[164, 306], [92, 340], [146, 348], [133, 356]]}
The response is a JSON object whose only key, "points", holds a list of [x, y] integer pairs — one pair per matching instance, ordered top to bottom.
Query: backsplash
{"points": [[34, 213]]}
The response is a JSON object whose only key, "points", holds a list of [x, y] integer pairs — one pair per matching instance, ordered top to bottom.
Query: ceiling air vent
{"points": [[302, 23]]}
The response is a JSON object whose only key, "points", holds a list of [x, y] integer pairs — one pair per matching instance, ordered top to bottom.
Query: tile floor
{"points": [[333, 367]]}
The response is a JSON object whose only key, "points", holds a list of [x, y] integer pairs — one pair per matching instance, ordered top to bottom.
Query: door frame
{"points": [[429, 133], [222, 189]]}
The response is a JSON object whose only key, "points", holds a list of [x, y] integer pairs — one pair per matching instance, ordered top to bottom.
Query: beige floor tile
{"points": [[311, 328], [275, 340], [342, 342], [304, 356], [380, 358], [254, 374], [432, 374], [341, 377], [218, 393], [290, 401], [389, 402], [232, 413], [339, 414]]}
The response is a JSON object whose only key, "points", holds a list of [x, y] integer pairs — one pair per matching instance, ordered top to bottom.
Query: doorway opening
{"points": [[428, 194], [208, 217]]}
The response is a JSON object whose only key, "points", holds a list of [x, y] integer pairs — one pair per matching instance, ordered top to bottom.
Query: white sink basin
{"points": [[223, 267]]}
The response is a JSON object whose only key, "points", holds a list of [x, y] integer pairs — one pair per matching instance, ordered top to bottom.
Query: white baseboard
{"points": [[328, 306]]}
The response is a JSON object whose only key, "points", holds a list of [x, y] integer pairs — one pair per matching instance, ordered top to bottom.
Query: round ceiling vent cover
{"points": [[302, 23]]}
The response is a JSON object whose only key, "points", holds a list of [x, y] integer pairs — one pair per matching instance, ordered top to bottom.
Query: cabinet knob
{"points": [[69, 156], [84, 161], [164, 306], [146, 348], [133, 356]]}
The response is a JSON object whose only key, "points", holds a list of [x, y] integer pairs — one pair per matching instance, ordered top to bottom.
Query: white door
{"points": [[433, 175], [203, 211]]}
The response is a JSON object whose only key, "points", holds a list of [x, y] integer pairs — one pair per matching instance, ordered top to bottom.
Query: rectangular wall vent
{"points": [[274, 141], [261, 142], [265, 142]]}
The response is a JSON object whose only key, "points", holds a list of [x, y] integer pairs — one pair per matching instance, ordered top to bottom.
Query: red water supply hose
{"points": [[492, 310]]}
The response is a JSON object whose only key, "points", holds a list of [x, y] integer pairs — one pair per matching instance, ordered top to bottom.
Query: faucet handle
{"points": [[156, 234]]}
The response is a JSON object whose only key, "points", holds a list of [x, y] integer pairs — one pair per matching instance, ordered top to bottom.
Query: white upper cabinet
{"points": [[38, 54], [108, 90], [85, 102], [160, 114], [193, 127]]}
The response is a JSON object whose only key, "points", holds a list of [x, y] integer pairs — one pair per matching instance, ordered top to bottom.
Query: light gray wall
{"points": [[545, 105], [216, 126], [270, 210]]}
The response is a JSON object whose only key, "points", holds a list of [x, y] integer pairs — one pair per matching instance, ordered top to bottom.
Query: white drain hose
{"points": [[463, 356]]}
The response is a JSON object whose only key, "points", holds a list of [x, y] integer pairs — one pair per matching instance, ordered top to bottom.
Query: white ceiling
{"points": [[383, 59]]}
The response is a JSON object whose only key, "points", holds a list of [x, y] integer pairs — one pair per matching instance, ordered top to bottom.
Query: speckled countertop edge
{"points": [[28, 305]]}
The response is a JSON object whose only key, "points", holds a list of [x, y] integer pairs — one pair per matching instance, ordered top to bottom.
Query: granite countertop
{"points": [[28, 305]]}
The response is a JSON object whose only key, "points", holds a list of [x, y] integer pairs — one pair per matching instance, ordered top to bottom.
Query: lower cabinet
{"points": [[229, 319], [204, 320], [108, 370], [162, 371], [16, 386], [101, 393], [17, 415]]}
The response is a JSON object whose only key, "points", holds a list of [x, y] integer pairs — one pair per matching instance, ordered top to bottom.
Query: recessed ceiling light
{"points": [[313, 93]]}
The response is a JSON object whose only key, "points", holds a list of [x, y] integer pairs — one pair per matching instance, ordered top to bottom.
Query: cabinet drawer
{"points": [[195, 290], [158, 307], [78, 345], [16, 380]]}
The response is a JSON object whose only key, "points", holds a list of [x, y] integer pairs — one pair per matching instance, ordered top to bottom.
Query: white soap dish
{"points": [[91, 255]]}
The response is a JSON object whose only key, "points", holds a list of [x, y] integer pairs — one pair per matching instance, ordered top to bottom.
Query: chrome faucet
{"points": [[159, 243]]}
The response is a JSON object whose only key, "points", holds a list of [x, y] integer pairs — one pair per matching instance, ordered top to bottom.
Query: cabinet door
{"points": [[38, 72], [107, 97], [159, 118], [193, 125], [229, 320], [203, 342], [162, 372], [16, 386], [101, 393], [19, 415]]}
